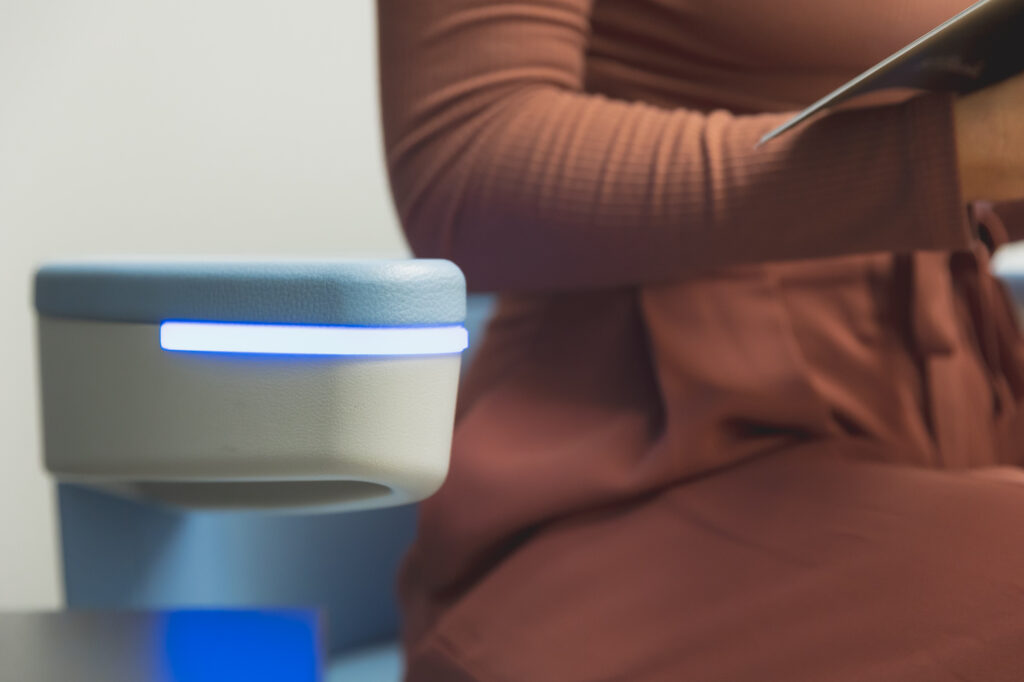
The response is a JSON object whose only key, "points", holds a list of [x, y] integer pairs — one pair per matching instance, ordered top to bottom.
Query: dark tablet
{"points": [[982, 45]]}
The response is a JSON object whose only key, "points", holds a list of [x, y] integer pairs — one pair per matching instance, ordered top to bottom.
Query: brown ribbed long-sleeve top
{"points": [[548, 144], [596, 163]]}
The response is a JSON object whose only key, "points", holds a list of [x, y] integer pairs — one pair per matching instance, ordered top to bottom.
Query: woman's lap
{"points": [[807, 565]]}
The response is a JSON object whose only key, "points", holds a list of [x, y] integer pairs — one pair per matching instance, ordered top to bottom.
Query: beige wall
{"points": [[168, 126]]}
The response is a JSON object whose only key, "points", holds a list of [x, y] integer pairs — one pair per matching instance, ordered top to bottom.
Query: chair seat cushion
{"points": [[406, 292]]}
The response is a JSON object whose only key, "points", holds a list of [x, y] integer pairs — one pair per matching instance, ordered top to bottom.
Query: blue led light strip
{"points": [[287, 339]]}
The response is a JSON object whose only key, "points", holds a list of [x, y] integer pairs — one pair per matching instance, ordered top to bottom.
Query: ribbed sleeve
{"points": [[500, 162]]}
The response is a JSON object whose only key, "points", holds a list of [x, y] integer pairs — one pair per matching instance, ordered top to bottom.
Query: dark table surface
{"points": [[161, 646]]}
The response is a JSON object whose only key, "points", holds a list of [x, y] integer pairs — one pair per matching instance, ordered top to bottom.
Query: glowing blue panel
{"points": [[285, 339], [239, 646]]}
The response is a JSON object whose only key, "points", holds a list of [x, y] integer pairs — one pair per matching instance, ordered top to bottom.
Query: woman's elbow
{"points": [[430, 194], [424, 221]]}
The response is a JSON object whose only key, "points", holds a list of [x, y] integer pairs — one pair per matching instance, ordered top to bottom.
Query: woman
{"points": [[743, 413]]}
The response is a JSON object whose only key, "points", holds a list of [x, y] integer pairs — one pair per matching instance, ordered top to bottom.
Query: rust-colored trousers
{"points": [[673, 462], [815, 481]]}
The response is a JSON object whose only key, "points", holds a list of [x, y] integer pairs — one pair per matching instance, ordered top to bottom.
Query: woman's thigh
{"points": [[807, 565]]}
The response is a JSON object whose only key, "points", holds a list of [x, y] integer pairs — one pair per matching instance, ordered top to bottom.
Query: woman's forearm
{"points": [[500, 162]]}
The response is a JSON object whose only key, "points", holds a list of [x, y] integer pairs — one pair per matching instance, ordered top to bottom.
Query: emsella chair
{"points": [[271, 385]]}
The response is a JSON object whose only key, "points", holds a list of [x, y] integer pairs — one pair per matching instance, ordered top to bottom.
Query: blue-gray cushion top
{"points": [[409, 292]]}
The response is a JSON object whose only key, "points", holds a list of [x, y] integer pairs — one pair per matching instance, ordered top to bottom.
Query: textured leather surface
{"points": [[406, 292]]}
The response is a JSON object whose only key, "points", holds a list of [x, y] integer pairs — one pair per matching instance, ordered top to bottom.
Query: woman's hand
{"points": [[990, 142]]}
